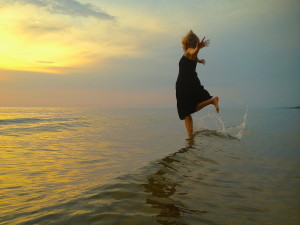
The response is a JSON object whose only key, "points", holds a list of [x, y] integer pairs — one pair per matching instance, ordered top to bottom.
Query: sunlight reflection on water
{"points": [[49, 154], [92, 166]]}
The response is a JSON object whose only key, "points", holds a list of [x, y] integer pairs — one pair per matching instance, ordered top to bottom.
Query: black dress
{"points": [[189, 91]]}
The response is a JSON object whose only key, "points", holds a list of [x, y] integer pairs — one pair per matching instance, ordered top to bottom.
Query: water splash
{"points": [[213, 122], [238, 130]]}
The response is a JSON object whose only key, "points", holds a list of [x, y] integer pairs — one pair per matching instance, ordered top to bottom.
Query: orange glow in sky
{"points": [[33, 39], [123, 53]]}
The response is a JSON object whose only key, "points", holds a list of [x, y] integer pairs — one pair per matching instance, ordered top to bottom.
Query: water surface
{"points": [[96, 166]]}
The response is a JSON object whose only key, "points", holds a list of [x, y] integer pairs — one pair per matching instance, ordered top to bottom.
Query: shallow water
{"points": [[95, 166]]}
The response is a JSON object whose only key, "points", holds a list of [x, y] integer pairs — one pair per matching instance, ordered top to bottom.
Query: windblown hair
{"points": [[189, 40]]}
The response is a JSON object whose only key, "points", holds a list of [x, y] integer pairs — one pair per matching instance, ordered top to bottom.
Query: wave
{"points": [[19, 120], [33, 120], [27, 126], [215, 133]]}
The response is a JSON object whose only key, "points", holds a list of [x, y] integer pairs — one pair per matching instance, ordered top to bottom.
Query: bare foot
{"points": [[216, 103]]}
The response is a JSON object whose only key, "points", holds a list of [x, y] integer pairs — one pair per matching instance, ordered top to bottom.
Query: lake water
{"points": [[134, 166]]}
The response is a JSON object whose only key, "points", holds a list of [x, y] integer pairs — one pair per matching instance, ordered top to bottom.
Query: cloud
{"points": [[70, 7], [42, 28], [48, 62]]}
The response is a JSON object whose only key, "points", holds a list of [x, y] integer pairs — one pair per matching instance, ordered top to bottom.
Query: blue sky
{"points": [[125, 53]]}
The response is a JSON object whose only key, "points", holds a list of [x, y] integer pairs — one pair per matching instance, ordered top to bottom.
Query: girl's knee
{"points": [[189, 117]]}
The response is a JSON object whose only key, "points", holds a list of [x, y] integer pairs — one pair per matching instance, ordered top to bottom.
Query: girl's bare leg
{"points": [[214, 101], [189, 120], [189, 125]]}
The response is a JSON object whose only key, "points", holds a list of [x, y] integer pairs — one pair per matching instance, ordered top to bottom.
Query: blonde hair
{"points": [[189, 40]]}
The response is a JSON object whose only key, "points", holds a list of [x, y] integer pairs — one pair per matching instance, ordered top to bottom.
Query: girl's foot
{"points": [[216, 103]]}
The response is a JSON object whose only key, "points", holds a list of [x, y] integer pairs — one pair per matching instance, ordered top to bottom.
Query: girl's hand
{"points": [[202, 44], [192, 52], [201, 61]]}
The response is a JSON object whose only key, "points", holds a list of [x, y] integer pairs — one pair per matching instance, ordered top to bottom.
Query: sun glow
{"points": [[35, 40], [20, 49], [51, 57]]}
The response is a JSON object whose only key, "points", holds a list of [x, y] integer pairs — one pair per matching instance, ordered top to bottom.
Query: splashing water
{"points": [[213, 122], [239, 128]]}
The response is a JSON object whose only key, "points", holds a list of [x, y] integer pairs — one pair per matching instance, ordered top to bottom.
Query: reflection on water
{"points": [[52, 155], [78, 166], [213, 182], [161, 189]]}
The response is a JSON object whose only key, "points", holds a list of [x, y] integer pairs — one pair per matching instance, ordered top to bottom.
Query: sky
{"points": [[125, 53]]}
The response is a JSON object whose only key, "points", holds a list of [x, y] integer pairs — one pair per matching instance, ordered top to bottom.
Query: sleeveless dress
{"points": [[189, 91]]}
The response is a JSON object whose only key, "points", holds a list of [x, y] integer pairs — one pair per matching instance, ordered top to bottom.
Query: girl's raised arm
{"points": [[202, 44]]}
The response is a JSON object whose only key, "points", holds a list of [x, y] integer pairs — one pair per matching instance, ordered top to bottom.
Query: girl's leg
{"points": [[214, 101], [189, 120], [189, 125]]}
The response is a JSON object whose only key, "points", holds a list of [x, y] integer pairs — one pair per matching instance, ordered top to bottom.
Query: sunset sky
{"points": [[125, 53]]}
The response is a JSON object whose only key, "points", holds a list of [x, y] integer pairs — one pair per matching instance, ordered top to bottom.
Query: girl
{"points": [[190, 94]]}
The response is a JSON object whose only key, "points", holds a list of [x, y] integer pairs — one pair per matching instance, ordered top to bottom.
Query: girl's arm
{"points": [[194, 51], [201, 61]]}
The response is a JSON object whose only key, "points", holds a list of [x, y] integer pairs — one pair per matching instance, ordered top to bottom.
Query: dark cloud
{"points": [[36, 2], [70, 7], [42, 28]]}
